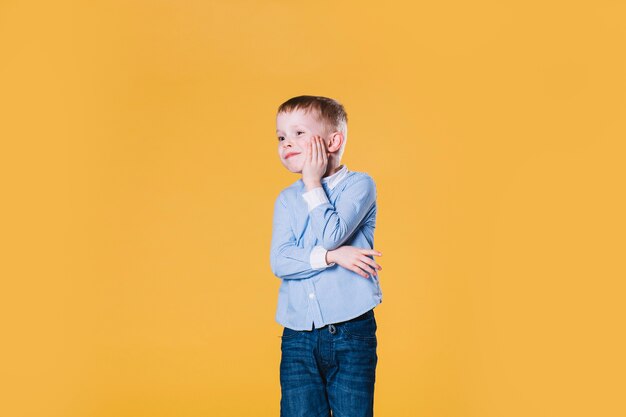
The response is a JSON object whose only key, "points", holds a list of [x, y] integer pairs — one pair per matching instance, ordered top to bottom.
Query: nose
{"points": [[286, 142]]}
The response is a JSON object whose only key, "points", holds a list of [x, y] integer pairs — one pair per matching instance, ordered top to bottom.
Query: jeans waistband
{"points": [[366, 315], [363, 316]]}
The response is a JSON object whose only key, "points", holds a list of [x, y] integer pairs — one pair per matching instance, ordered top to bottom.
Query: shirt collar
{"points": [[332, 180]]}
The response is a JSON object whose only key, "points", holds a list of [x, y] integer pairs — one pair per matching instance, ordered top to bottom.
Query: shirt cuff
{"points": [[315, 197], [318, 258]]}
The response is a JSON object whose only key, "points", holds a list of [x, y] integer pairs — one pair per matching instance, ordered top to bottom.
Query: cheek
{"points": [[295, 161]]}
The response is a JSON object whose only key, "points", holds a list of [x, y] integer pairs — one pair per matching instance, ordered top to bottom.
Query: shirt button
{"points": [[311, 295]]}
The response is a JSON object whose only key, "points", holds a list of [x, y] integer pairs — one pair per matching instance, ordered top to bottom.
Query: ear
{"points": [[335, 141]]}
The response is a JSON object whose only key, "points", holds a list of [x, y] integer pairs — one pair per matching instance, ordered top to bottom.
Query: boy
{"points": [[322, 250]]}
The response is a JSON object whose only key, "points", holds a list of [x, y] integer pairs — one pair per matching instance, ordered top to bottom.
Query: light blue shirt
{"points": [[305, 226]]}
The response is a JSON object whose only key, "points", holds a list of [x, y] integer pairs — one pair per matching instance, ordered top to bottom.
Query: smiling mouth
{"points": [[289, 155]]}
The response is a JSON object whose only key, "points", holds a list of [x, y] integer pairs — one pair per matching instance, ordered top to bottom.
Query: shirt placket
{"points": [[315, 314]]}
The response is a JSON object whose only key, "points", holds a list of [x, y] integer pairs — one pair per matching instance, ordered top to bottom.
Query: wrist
{"points": [[312, 184], [329, 257]]}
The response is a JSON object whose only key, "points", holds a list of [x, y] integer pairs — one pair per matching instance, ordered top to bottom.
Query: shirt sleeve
{"points": [[315, 197], [334, 225], [318, 257], [287, 260]]}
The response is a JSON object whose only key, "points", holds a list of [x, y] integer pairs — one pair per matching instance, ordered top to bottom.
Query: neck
{"points": [[332, 170]]}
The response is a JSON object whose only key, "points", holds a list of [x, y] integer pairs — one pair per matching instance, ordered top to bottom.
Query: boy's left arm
{"points": [[333, 225]]}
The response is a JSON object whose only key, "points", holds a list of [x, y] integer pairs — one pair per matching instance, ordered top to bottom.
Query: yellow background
{"points": [[139, 171]]}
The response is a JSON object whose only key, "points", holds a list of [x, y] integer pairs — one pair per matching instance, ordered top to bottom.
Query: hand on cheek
{"points": [[315, 163]]}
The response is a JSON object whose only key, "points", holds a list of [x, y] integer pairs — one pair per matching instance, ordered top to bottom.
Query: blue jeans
{"points": [[332, 368]]}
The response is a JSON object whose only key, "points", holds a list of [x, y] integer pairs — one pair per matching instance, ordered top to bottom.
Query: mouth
{"points": [[290, 154]]}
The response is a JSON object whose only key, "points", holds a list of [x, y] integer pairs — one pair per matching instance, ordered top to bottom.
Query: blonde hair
{"points": [[330, 112]]}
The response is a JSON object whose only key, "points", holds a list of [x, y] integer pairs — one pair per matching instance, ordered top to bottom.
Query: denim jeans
{"points": [[330, 369]]}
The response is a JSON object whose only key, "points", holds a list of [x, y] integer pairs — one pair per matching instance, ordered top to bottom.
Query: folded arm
{"points": [[334, 225], [287, 260]]}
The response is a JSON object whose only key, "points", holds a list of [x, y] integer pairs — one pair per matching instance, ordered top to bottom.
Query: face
{"points": [[294, 131]]}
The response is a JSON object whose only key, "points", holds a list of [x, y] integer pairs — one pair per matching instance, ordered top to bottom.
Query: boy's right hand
{"points": [[315, 163], [355, 259]]}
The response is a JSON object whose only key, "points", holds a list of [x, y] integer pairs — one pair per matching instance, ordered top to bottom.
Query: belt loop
{"points": [[332, 329]]}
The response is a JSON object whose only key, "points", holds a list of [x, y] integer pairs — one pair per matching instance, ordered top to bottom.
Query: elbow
{"points": [[278, 264], [274, 266], [277, 273]]}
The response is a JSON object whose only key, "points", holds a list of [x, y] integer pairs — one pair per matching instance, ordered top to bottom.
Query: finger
{"points": [[318, 147], [313, 150], [322, 151], [309, 152], [371, 252], [371, 262], [365, 267], [359, 271]]}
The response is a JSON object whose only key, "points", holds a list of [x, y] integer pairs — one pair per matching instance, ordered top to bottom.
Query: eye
{"points": [[300, 133], [280, 138]]}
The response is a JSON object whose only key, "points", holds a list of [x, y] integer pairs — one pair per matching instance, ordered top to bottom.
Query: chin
{"points": [[293, 169]]}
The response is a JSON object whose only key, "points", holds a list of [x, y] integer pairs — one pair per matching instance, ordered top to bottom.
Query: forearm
{"points": [[334, 223], [331, 229], [355, 259], [291, 262]]}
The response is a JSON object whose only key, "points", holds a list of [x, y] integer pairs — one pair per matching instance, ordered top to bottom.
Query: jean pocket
{"points": [[361, 329]]}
